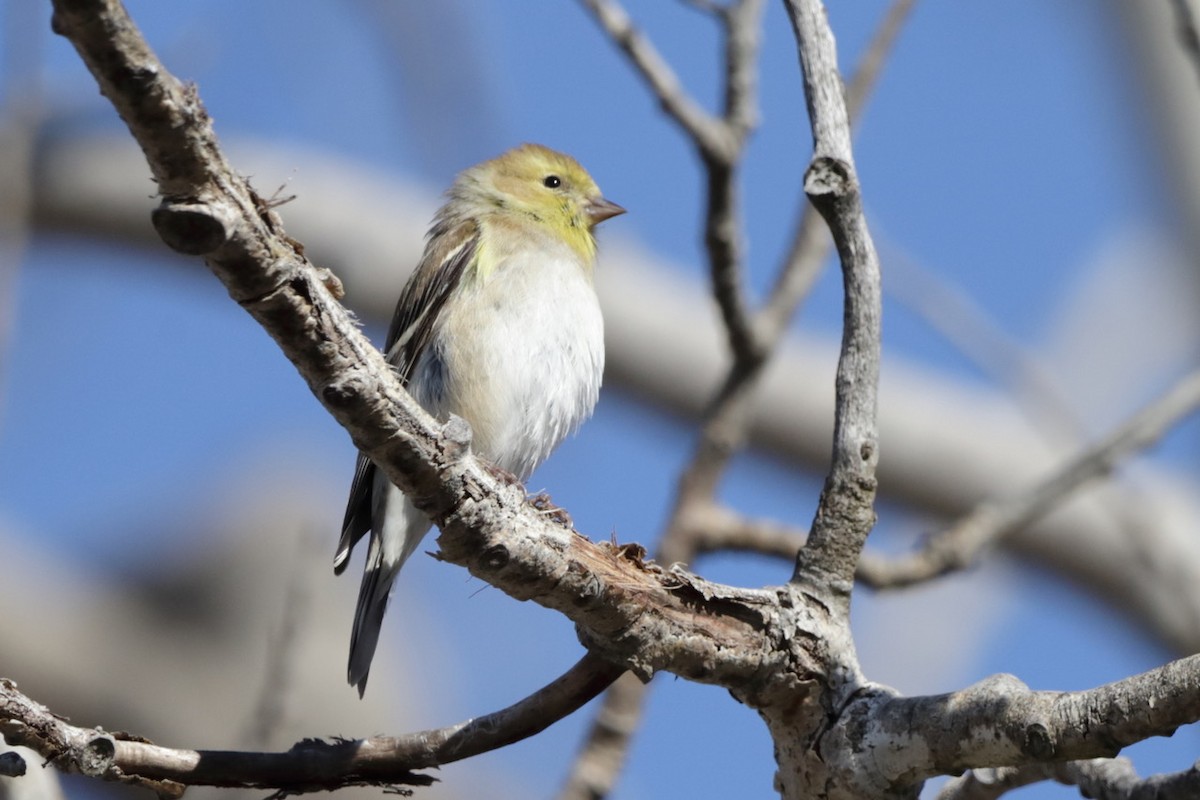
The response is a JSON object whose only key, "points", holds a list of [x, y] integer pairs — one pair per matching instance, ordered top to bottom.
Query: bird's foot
{"points": [[501, 474], [542, 502]]}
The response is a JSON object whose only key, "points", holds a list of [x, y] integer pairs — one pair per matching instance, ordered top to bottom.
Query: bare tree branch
{"points": [[743, 21], [709, 133], [720, 141], [723, 228], [723, 239], [810, 242], [846, 512], [712, 528], [958, 546], [1001, 721], [310, 765], [595, 770], [1101, 778], [1116, 779], [989, 784]]}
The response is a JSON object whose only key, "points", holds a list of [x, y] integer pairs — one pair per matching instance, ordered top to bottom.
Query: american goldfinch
{"points": [[500, 325]]}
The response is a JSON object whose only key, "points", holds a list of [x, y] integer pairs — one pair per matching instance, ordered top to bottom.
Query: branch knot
{"points": [[828, 178], [191, 227], [344, 393], [494, 558], [1036, 742], [96, 759]]}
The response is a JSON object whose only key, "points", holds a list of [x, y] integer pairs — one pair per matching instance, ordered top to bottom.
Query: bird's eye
{"points": [[552, 182]]}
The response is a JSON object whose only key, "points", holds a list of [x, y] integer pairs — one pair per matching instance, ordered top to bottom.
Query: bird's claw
{"points": [[502, 475], [542, 502]]}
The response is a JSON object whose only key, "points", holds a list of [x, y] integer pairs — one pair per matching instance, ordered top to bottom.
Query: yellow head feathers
{"points": [[532, 184]]}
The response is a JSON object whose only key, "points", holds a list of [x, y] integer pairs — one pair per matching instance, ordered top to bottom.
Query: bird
{"points": [[499, 325]]}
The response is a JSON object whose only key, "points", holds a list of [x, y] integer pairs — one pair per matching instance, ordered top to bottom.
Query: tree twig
{"points": [[705, 129], [720, 141], [723, 228], [810, 241], [845, 514], [713, 528], [958, 546], [271, 706], [1002, 722], [310, 765], [595, 770], [1104, 778], [1116, 779], [993, 783]]}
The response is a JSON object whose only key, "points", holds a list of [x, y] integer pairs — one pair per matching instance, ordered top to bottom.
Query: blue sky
{"points": [[999, 151]]}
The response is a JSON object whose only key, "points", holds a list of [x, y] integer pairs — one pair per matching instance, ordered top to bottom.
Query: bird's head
{"points": [[534, 184]]}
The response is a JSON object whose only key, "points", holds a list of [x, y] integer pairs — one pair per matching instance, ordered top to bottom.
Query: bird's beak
{"points": [[599, 209]]}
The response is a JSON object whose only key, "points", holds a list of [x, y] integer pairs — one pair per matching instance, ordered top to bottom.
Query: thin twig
{"points": [[743, 36], [704, 128], [720, 141], [723, 228], [723, 241], [810, 242], [845, 513], [714, 528], [958, 546], [271, 707], [309, 765], [595, 770], [1105, 778], [1116, 779], [990, 784]]}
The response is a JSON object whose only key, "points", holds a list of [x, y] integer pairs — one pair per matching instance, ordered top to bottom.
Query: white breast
{"points": [[521, 358]]}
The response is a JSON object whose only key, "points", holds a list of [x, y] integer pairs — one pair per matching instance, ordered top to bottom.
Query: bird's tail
{"points": [[390, 548]]}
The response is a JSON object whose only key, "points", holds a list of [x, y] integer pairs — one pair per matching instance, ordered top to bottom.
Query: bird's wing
{"points": [[446, 258], [420, 304]]}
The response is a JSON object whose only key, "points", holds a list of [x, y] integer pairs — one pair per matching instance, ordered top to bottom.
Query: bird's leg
{"points": [[501, 474], [542, 502]]}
